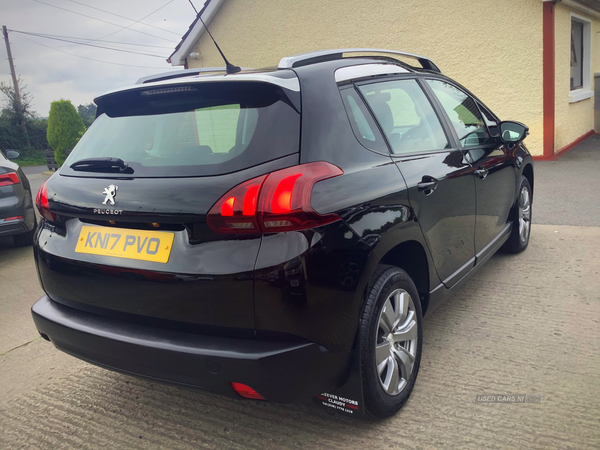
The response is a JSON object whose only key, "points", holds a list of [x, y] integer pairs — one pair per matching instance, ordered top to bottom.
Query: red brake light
{"points": [[6, 179], [282, 198], [279, 201], [41, 202], [227, 207], [234, 212], [246, 391]]}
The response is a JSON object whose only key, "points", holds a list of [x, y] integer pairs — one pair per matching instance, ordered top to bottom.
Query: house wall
{"points": [[494, 48], [572, 120]]}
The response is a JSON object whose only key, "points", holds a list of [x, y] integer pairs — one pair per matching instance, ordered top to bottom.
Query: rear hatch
{"points": [[126, 232]]}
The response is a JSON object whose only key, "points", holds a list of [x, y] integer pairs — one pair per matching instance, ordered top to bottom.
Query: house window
{"points": [[576, 55], [580, 59]]}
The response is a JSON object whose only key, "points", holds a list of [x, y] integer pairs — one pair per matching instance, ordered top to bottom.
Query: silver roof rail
{"points": [[329, 55], [180, 74]]}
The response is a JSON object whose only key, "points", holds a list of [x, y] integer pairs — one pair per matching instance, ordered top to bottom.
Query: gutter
{"points": [[582, 8]]}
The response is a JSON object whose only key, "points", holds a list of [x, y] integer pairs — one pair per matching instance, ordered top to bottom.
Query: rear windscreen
{"points": [[196, 130]]}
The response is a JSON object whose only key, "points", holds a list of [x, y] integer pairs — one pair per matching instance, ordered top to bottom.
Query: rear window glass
{"points": [[198, 130]]}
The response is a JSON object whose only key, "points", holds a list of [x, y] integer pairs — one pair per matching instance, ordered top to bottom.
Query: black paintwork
{"points": [[306, 285], [190, 359]]}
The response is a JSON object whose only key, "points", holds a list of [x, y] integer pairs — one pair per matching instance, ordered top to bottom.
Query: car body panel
{"points": [[446, 215], [306, 284]]}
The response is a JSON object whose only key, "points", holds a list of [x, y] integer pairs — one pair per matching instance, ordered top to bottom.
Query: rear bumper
{"points": [[12, 228], [279, 371]]}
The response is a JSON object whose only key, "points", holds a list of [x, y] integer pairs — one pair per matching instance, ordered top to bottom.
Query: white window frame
{"points": [[585, 92]]}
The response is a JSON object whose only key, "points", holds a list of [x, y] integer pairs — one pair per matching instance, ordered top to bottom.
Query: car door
{"points": [[492, 161], [441, 189]]}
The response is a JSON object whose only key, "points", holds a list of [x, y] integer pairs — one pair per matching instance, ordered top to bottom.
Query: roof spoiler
{"points": [[305, 59], [180, 74]]}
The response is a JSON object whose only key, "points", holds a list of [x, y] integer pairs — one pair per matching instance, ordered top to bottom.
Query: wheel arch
{"points": [[528, 173], [411, 257]]}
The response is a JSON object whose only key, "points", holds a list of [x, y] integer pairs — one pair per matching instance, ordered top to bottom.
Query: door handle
{"points": [[481, 173], [428, 185]]}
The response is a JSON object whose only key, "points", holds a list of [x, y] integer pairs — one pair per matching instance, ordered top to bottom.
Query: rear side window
{"points": [[463, 113], [406, 116], [362, 122], [206, 129]]}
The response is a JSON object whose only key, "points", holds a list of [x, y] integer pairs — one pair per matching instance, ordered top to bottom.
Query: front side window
{"points": [[577, 55], [463, 113], [406, 116], [490, 120]]}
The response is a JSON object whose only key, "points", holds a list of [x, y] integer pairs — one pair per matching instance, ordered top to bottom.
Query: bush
{"points": [[65, 128]]}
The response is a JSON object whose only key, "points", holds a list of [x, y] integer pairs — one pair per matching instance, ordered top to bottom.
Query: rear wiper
{"points": [[102, 165]]}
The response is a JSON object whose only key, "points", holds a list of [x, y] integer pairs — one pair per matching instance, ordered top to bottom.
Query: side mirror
{"points": [[513, 132], [12, 154]]}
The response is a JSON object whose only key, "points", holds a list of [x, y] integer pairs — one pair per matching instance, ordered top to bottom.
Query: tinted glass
{"points": [[463, 113], [405, 115], [362, 122], [211, 130]]}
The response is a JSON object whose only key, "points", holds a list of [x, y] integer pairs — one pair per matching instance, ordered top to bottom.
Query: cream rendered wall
{"points": [[492, 47], [572, 120]]}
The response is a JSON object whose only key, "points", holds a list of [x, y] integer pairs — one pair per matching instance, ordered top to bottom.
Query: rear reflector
{"points": [[6, 179], [279, 201], [8, 219], [246, 391]]}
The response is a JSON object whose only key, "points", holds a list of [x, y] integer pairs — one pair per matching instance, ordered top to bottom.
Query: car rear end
{"points": [[17, 216], [152, 231]]}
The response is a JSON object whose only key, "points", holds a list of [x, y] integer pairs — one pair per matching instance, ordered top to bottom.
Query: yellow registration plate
{"points": [[123, 243]]}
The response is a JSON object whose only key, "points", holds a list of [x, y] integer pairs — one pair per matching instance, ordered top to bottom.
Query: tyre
{"points": [[521, 230], [22, 240], [391, 339]]}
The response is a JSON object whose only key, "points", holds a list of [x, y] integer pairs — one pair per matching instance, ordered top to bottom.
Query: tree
{"points": [[10, 100], [87, 113], [65, 127], [11, 134]]}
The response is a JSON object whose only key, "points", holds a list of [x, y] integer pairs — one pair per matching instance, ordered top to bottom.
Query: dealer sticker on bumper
{"points": [[124, 243]]}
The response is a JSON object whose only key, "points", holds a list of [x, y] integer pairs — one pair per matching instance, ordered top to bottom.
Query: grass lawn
{"points": [[32, 158], [29, 161]]}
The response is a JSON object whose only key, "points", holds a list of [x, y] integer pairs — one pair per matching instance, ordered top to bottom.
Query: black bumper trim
{"points": [[12, 228], [280, 371]]}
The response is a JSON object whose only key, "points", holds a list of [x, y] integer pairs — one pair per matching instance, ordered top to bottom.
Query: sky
{"points": [[50, 68]]}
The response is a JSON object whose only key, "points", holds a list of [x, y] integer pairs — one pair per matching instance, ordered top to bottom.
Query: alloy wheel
{"points": [[524, 214], [396, 342]]}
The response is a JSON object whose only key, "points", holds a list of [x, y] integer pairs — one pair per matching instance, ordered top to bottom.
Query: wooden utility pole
{"points": [[20, 111]]}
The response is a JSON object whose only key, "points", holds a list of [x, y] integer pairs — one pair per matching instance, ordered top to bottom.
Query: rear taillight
{"points": [[6, 179], [41, 201], [279, 201]]}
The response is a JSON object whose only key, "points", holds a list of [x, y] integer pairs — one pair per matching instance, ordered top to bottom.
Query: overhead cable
{"points": [[105, 21]]}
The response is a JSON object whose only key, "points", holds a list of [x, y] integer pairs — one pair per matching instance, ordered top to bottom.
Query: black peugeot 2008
{"points": [[278, 234]]}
